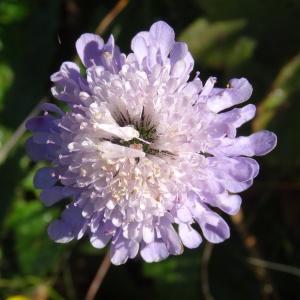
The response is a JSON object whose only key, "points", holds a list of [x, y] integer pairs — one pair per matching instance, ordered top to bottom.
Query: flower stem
{"points": [[107, 20], [207, 252], [98, 279]]}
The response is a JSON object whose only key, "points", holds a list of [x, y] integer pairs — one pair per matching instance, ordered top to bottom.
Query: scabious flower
{"points": [[145, 153]]}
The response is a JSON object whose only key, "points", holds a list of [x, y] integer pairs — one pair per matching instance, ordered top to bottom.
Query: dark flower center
{"points": [[146, 129]]}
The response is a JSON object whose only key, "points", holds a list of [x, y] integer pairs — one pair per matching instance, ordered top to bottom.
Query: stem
{"points": [[108, 19], [10, 144], [207, 252], [274, 266], [98, 279]]}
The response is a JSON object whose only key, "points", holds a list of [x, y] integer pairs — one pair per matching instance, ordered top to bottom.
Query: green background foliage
{"points": [[256, 39]]}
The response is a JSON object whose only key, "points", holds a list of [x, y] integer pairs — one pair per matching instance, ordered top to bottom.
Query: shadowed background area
{"points": [[255, 39]]}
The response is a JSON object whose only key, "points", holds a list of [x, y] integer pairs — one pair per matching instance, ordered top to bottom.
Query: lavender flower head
{"points": [[144, 152]]}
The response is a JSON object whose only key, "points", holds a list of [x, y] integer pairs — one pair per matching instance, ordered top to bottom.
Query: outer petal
{"points": [[164, 35], [139, 46], [153, 47], [89, 48], [93, 52], [112, 59], [182, 61], [68, 70], [68, 83], [208, 87], [239, 91], [50, 107], [238, 116], [40, 123], [226, 123], [259, 143], [40, 151], [240, 169], [44, 178], [237, 187], [54, 194], [229, 203], [183, 214], [72, 215], [71, 225], [214, 228], [60, 232], [148, 234], [102, 235], [170, 237], [190, 237], [121, 249], [133, 249], [155, 251]]}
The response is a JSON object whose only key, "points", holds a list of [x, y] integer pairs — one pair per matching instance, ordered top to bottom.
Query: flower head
{"points": [[144, 152]]}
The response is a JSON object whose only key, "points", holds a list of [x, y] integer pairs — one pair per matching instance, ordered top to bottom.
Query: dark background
{"points": [[258, 39]]}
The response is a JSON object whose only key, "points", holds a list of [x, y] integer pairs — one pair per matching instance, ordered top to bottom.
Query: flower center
{"points": [[146, 129], [147, 136]]}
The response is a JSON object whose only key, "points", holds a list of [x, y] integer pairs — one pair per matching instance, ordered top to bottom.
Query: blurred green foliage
{"points": [[251, 38], [218, 45]]}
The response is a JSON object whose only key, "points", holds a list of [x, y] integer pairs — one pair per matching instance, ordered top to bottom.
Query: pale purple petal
{"points": [[164, 35], [139, 46], [153, 47], [181, 61], [68, 83], [208, 87], [239, 91], [238, 116], [226, 123], [259, 143], [240, 169], [237, 187], [229, 203], [183, 214], [214, 228], [134, 231], [148, 234], [102, 236], [189, 236], [170, 237], [133, 248], [119, 251], [155, 251]]}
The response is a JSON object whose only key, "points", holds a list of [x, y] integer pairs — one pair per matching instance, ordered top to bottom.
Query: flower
{"points": [[144, 153]]}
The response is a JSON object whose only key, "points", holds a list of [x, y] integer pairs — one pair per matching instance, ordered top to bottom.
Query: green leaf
{"points": [[12, 11], [216, 45], [6, 79], [286, 83], [28, 222]]}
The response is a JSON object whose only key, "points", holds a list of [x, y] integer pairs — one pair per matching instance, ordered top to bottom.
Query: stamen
{"points": [[144, 141]]}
